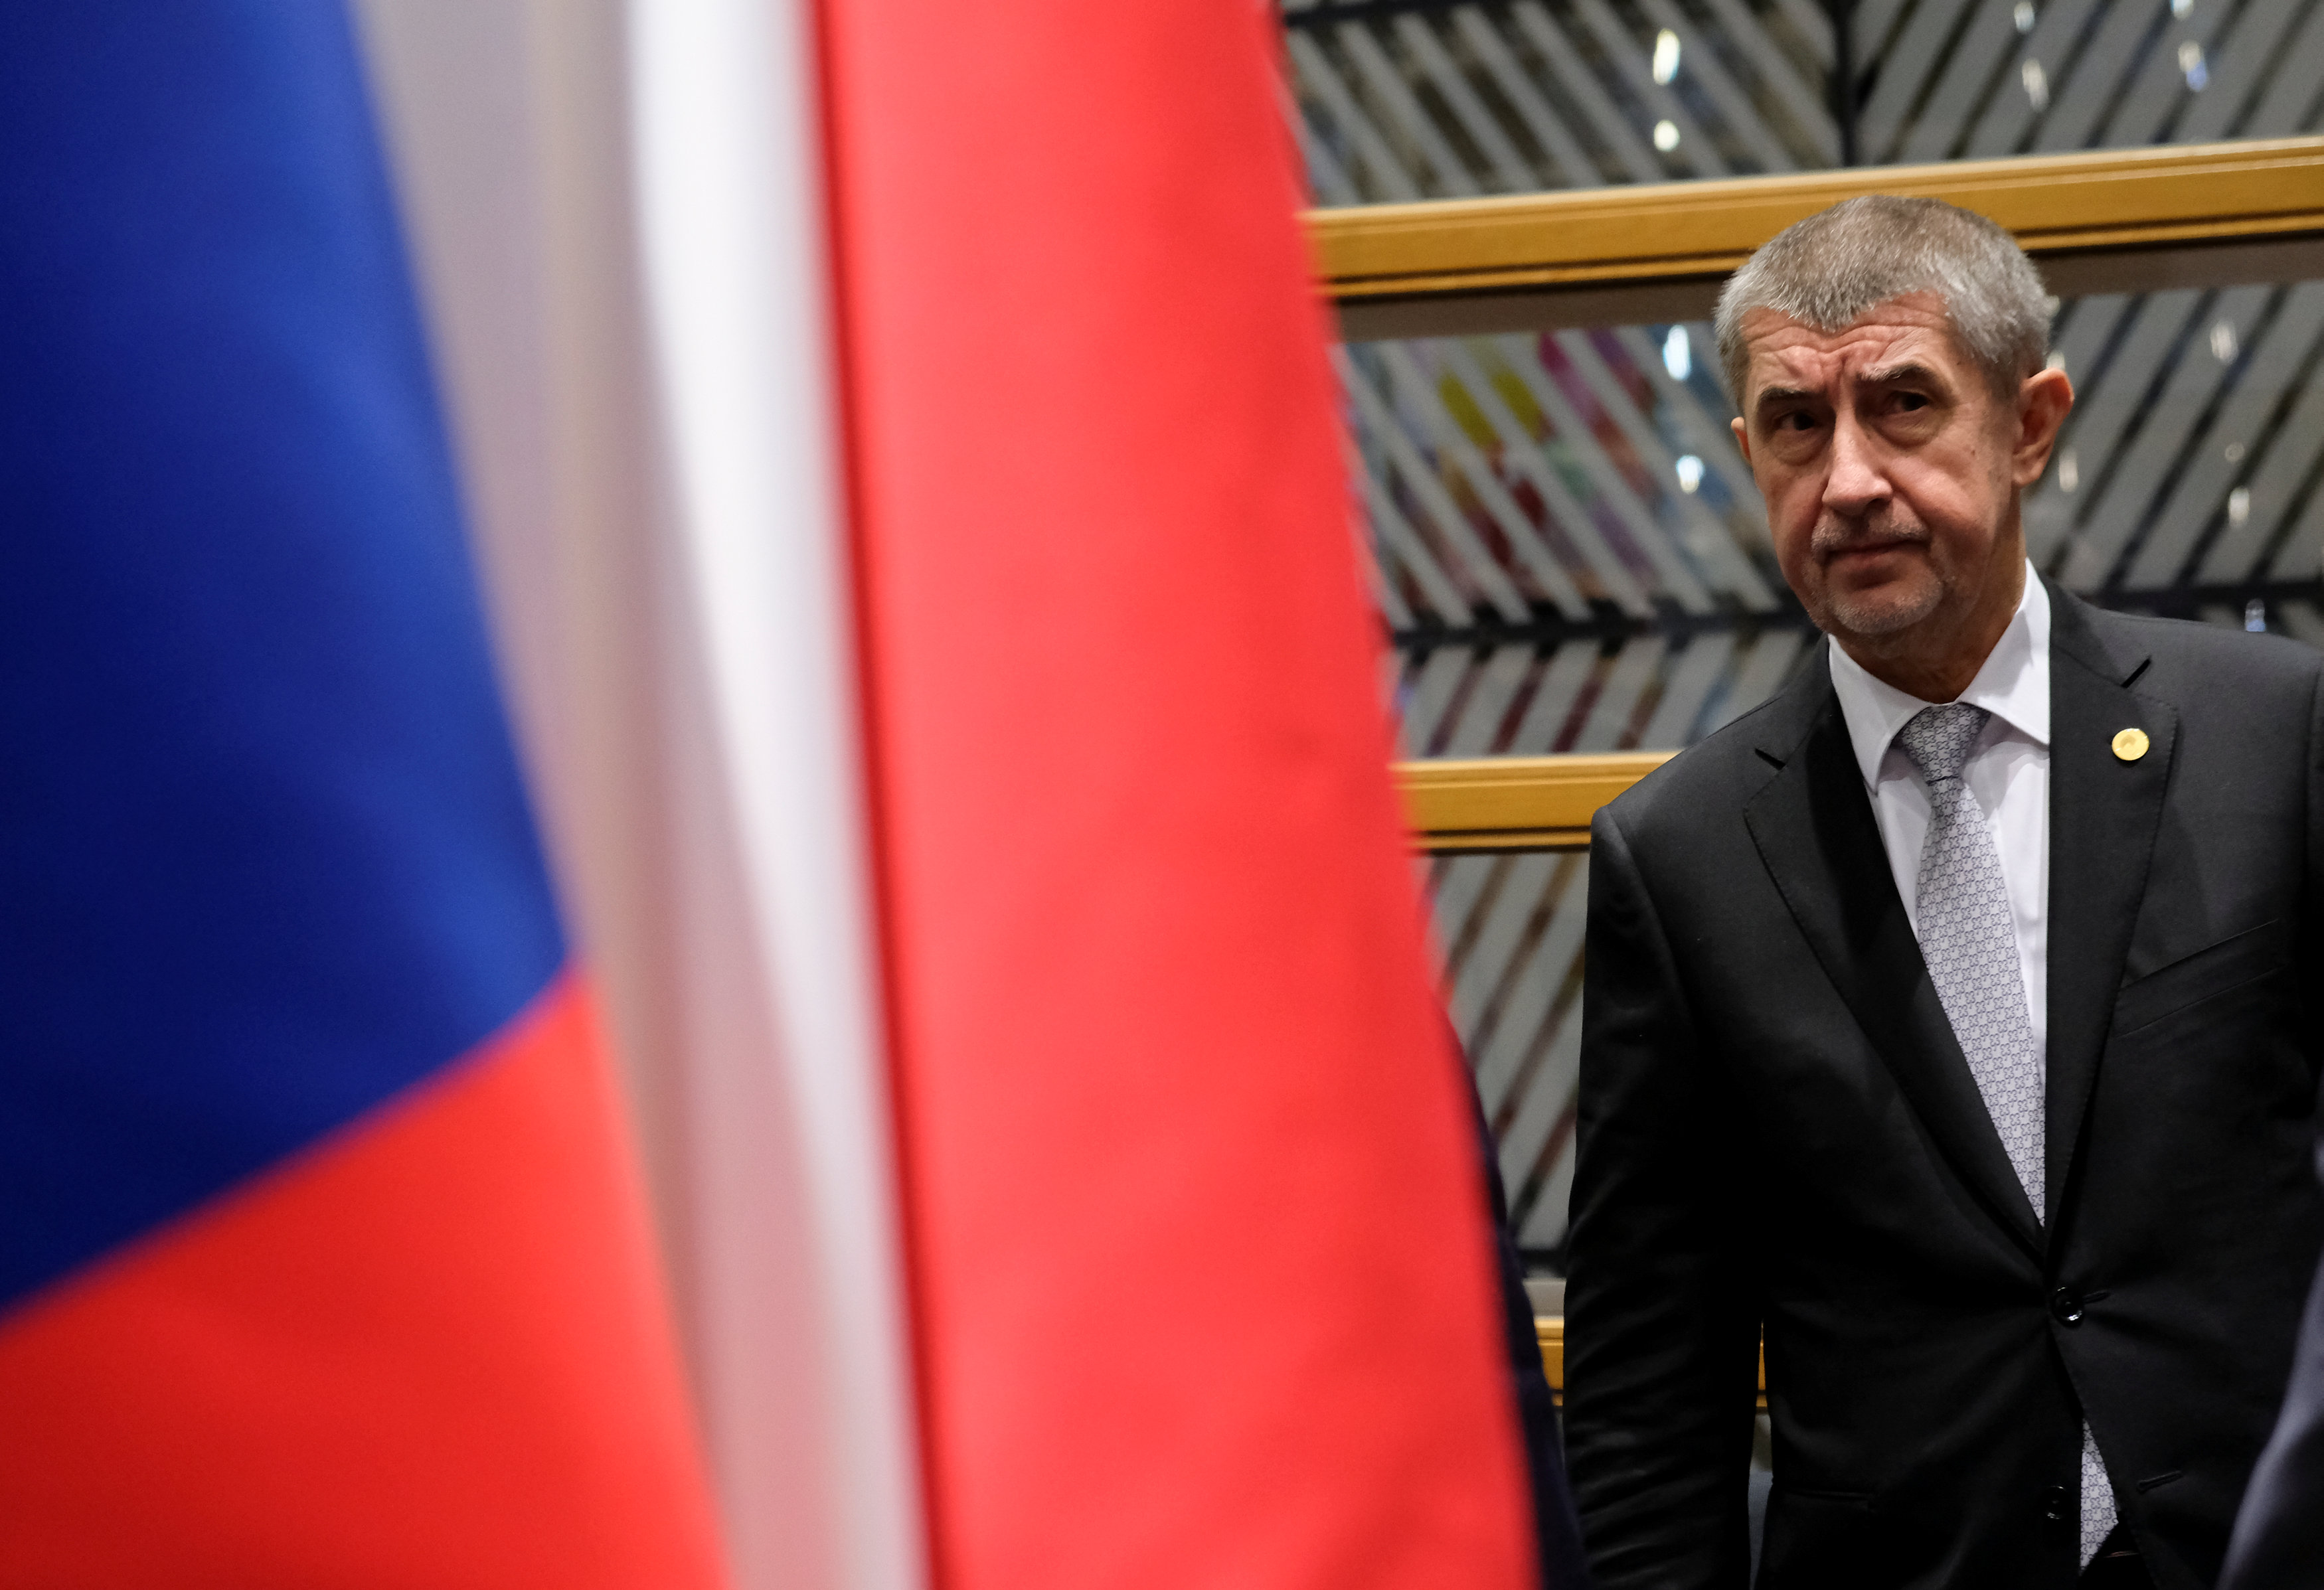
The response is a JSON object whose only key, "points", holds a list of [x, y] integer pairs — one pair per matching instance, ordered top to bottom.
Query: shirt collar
{"points": [[2014, 685]]}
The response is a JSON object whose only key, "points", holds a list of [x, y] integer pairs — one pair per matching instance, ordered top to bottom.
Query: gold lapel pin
{"points": [[2130, 744]]}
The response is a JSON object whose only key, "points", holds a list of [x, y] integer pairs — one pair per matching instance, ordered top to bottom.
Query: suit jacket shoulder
{"points": [[2178, 656], [1721, 773]]}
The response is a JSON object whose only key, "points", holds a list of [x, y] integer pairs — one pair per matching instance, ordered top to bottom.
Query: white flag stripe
{"points": [[729, 185], [617, 219]]}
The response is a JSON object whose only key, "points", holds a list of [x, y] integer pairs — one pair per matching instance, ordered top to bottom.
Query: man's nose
{"points": [[1857, 479]]}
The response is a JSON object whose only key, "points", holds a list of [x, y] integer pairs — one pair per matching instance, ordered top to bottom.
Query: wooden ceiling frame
{"points": [[2107, 220], [1515, 803]]}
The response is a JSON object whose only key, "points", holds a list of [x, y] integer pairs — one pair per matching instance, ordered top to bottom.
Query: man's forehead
{"points": [[1914, 327]]}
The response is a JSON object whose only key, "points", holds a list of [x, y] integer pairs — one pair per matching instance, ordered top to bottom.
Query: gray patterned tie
{"points": [[1969, 941]]}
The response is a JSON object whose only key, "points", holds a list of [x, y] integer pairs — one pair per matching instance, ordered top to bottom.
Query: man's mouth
{"points": [[1868, 548]]}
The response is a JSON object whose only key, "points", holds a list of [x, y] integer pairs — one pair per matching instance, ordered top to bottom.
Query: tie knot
{"points": [[1938, 738]]}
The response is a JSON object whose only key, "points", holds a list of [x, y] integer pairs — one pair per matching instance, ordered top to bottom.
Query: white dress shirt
{"points": [[2007, 773]]}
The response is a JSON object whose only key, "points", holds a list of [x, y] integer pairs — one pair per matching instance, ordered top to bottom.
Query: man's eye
{"points": [[1911, 402], [1795, 421]]}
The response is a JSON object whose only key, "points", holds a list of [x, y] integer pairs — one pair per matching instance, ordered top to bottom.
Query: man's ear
{"points": [[2044, 399], [1742, 437]]}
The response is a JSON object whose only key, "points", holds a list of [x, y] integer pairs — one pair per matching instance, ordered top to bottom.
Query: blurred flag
{"points": [[901, 449], [1198, 1238], [323, 1257]]}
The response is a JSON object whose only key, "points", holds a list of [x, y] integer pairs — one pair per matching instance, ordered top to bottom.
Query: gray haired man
{"points": [[1948, 1019]]}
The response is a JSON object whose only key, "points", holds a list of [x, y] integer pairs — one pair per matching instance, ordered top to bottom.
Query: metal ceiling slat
{"points": [[1874, 21], [1813, 26], [1976, 54], [1699, 60], [1906, 69], [2237, 70], [1388, 85], [2160, 88], [2086, 90], [2291, 94], [1803, 105], [1612, 127], [2002, 127], [1558, 144], [1694, 148], [1510, 168], [1325, 175], [1390, 181], [2085, 324], [2084, 327], [2280, 347], [2094, 429], [2163, 435], [1712, 439], [1524, 454], [2291, 459], [2286, 460], [1393, 533], [1524, 539], [2302, 555], [1484, 573], [1742, 577], [1679, 580], [1385, 595], [2302, 621], [1691, 682], [1434, 691], [1487, 701], [1546, 715], [1607, 727], [1462, 882], [1458, 888], [1484, 970], [1472, 983], [1537, 993], [1532, 995], [1543, 1119], [1547, 1216]]}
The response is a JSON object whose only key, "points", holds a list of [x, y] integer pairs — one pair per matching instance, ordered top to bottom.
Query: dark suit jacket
{"points": [[1778, 1131], [2278, 1540]]}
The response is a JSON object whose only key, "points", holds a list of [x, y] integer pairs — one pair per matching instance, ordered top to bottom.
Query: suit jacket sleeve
{"points": [[1662, 1323]]}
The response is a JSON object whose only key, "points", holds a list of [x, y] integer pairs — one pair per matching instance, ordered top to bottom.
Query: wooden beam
{"points": [[2096, 221], [1516, 803]]}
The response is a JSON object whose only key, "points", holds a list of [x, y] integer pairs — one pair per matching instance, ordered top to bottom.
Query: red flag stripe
{"points": [[1197, 1224], [429, 1351]]}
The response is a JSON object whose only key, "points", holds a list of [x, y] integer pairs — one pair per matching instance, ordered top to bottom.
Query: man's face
{"points": [[1889, 467]]}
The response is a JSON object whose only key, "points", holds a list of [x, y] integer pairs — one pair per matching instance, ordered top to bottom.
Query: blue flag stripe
{"points": [[265, 859]]}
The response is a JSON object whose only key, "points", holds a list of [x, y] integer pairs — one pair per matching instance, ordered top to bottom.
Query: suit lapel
{"points": [[2104, 815], [1816, 830]]}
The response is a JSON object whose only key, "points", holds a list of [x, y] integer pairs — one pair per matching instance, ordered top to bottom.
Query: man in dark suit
{"points": [[1948, 1018]]}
